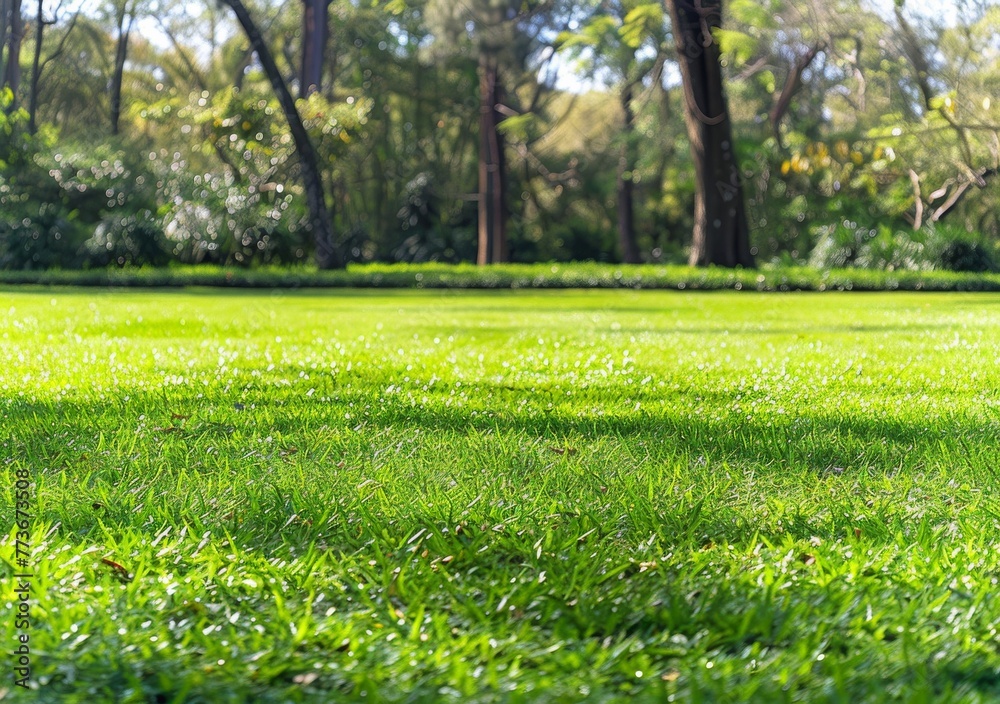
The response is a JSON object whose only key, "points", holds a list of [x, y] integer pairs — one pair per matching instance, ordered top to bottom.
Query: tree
{"points": [[123, 15], [14, 26], [4, 29], [315, 34], [504, 35], [815, 44], [609, 46], [37, 65], [945, 109], [493, 211], [721, 235], [327, 255]]}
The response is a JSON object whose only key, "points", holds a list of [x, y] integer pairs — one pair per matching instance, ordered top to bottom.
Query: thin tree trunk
{"points": [[4, 28], [315, 32], [121, 53], [36, 66], [241, 69], [12, 72], [783, 101], [492, 167], [626, 185], [918, 201], [721, 235], [327, 256]]}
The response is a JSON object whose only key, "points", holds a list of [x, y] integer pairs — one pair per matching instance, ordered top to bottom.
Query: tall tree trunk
{"points": [[4, 28], [315, 32], [121, 53], [36, 67], [12, 71], [492, 166], [626, 185], [721, 235], [327, 256]]}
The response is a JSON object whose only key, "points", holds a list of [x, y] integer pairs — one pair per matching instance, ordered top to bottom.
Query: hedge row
{"points": [[517, 276]]}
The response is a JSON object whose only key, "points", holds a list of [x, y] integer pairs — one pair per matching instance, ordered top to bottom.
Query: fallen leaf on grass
{"points": [[179, 416], [563, 450], [857, 532], [117, 571]]}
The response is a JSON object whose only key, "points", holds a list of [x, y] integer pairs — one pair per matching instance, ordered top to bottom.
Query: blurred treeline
{"points": [[145, 131]]}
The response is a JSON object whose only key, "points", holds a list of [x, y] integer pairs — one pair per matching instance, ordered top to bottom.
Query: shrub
{"points": [[215, 219], [38, 236], [132, 239], [846, 244], [957, 249], [961, 255]]}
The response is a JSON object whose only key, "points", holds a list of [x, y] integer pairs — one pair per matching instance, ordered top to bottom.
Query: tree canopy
{"points": [[796, 131]]}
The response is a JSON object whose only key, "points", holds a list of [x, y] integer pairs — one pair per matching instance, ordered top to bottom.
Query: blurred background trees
{"points": [[861, 133]]}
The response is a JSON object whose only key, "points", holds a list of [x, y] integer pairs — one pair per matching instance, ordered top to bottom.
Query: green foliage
{"points": [[761, 15], [641, 22], [738, 45], [399, 107], [81, 206], [422, 214], [38, 228], [133, 240], [846, 244], [933, 247], [960, 250], [961, 255], [576, 275]]}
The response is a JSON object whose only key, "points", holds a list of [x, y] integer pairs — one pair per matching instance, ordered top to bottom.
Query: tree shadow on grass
{"points": [[819, 440]]}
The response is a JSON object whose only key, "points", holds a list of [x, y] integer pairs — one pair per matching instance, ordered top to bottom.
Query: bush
{"points": [[83, 206], [212, 218], [38, 236], [130, 240], [847, 244], [957, 249], [967, 256]]}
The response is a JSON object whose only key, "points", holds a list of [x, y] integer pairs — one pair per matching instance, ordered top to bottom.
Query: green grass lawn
{"points": [[518, 496]]}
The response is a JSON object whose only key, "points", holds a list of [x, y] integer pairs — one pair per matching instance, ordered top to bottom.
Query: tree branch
{"points": [[60, 47], [921, 67], [792, 85], [918, 201]]}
